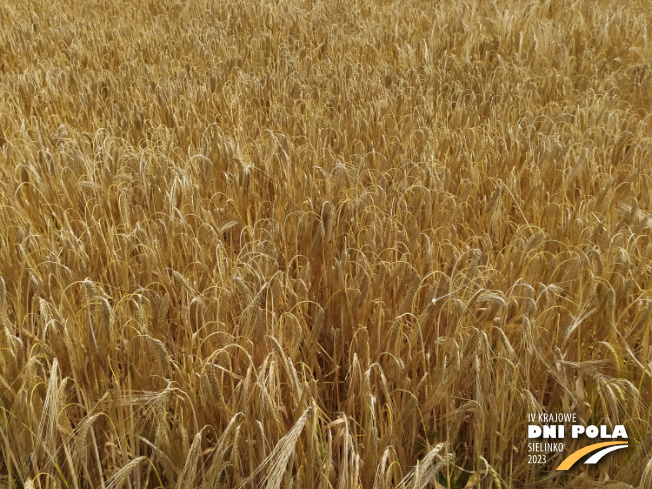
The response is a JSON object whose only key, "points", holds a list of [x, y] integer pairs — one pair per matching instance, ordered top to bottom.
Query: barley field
{"points": [[322, 244]]}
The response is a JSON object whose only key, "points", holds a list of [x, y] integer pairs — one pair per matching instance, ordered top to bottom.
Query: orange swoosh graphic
{"points": [[575, 456]]}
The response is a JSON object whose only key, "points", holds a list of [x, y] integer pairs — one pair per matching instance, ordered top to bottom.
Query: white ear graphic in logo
{"points": [[600, 449], [594, 459]]}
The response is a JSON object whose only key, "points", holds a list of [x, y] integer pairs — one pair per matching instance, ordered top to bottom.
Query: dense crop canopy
{"points": [[318, 244]]}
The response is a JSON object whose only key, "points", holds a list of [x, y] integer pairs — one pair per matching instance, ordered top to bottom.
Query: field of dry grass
{"points": [[322, 244]]}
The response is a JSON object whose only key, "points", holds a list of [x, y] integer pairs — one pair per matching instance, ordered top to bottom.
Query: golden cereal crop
{"points": [[322, 244]]}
